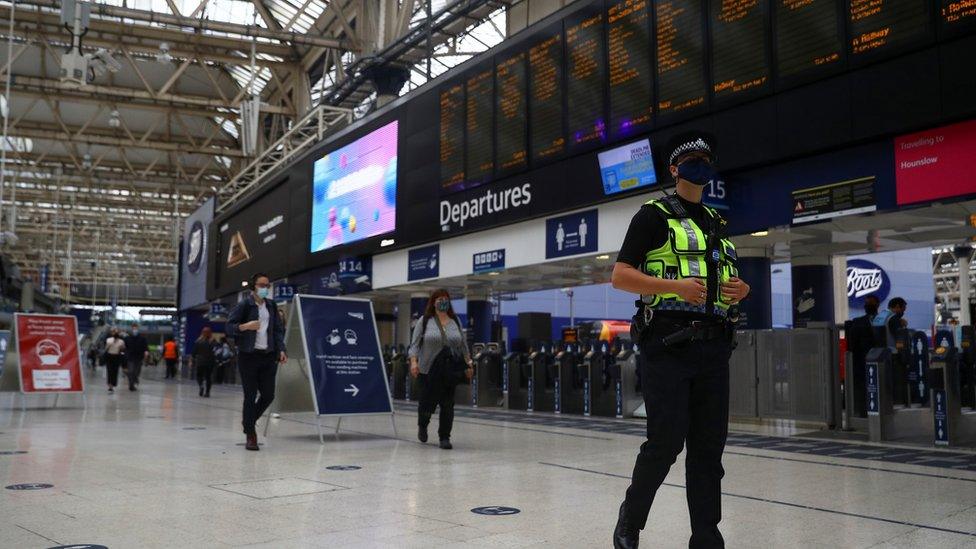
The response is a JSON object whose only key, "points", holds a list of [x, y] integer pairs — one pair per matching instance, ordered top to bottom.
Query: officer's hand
{"points": [[692, 290], [735, 290], [414, 370]]}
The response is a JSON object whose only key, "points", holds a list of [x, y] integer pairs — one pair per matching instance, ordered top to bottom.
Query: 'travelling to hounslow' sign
{"points": [[865, 278]]}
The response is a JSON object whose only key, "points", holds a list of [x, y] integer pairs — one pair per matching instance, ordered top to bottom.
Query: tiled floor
{"points": [[128, 472]]}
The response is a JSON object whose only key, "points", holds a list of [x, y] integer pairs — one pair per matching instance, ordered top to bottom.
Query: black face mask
{"points": [[871, 309]]}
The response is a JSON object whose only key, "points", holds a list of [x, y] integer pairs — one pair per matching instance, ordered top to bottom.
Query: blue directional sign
{"points": [[572, 234], [487, 262], [283, 292], [945, 338], [4, 343], [343, 355], [872, 387], [941, 417]]}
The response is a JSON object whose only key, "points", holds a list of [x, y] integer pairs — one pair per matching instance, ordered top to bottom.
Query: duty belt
{"points": [[690, 330]]}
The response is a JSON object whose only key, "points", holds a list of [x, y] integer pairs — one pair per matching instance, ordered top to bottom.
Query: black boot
{"points": [[201, 390], [422, 429], [625, 535]]}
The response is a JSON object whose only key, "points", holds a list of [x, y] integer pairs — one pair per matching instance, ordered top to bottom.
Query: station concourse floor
{"points": [[163, 467]]}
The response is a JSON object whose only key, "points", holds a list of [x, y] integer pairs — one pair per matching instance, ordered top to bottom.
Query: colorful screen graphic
{"points": [[627, 167], [354, 190]]}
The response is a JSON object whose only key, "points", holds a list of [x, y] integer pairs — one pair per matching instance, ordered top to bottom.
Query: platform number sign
{"points": [[284, 292], [872, 387], [941, 417]]}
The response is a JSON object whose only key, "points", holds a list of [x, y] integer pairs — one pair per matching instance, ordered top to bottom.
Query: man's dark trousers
{"points": [[258, 371], [686, 392]]}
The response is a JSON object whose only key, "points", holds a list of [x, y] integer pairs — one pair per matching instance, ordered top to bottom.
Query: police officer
{"points": [[677, 257]]}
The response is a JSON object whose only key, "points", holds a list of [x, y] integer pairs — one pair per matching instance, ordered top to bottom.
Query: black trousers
{"points": [[112, 365], [170, 368], [133, 370], [258, 371], [205, 376], [686, 393], [433, 394]]}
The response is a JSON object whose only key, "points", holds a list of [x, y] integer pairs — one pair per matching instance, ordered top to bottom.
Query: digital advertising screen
{"points": [[627, 167], [354, 190], [196, 244]]}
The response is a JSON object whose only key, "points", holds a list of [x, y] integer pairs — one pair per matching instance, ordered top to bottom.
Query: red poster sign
{"points": [[936, 163], [48, 349]]}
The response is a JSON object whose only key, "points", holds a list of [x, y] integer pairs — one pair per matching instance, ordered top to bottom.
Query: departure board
{"points": [[957, 15], [878, 26], [809, 36], [629, 49], [740, 51], [680, 55], [585, 70], [480, 99], [510, 115], [452, 135], [547, 139]]}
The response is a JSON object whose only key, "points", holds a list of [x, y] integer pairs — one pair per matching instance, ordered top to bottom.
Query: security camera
{"points": [[102, 61]]}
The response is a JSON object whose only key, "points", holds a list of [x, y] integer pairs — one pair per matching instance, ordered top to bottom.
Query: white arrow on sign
{"points": [[352, 389]]}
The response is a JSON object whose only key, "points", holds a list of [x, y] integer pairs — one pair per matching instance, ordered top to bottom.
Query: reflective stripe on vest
{"points": [[685, 255]]}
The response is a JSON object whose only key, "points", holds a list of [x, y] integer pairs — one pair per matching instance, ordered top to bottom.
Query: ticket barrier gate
{"points": [[967, 368], [399, 371], [540, 371], [604, 376], [515, 380], [486, 383], [570, 397], [628, 397], [887, 421], [952, 424]]}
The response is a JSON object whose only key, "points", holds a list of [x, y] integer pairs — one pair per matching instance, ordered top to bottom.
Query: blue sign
{"points": [[572, 234], [424, 262], [486, 262], [45, 278], [865, 278], [283, 292], [217, 309], [945, 338], [4, 343], [343, 355], [920, 367], [874, 404], [941, 417], [496, 510]]}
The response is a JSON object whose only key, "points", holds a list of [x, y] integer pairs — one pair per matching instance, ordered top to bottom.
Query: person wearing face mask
{"points": [[677, 257], [260, 334], [437, 344]]}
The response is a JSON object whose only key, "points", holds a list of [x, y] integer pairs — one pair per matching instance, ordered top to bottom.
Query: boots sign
{"points": [[865, 278]]}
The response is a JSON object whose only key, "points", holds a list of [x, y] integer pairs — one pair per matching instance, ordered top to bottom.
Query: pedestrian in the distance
{"points": [[260, 335], [136, 352], [114, 355], [171, 356], [203, 360]]}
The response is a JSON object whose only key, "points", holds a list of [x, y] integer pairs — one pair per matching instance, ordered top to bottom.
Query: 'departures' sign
{"points": [[48, 350]]}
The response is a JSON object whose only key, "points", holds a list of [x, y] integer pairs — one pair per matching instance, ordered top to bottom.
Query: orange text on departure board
{"points": [[957, 11], [545, 86], [451, 109]]}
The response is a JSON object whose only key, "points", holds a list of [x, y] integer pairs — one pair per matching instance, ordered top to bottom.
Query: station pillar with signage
{"points": [[813, 291], [757, 311]]}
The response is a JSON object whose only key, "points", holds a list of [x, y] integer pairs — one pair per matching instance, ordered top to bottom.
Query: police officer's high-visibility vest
{"points": [[690, 251]]}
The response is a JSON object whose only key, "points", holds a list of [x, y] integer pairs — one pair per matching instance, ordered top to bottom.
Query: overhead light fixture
{"points": [[163, 56], [114, 120], [759, 233], [386, 242], [603, 257], [494, 273], [244, 283]]}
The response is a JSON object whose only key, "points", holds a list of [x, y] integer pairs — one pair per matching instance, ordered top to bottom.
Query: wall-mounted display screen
{"points": [[880, 26], [809, 36], [629, 52], [740, 52], [680, 55], [585, 68], [546, 98], [511, 117], [627, 167], [354, 190]]}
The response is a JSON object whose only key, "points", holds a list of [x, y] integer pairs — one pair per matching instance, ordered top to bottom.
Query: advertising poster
{"points": [[627, 167], [354, 190], [572, 234], [196, 247], [48, 349], [343, 356]]}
